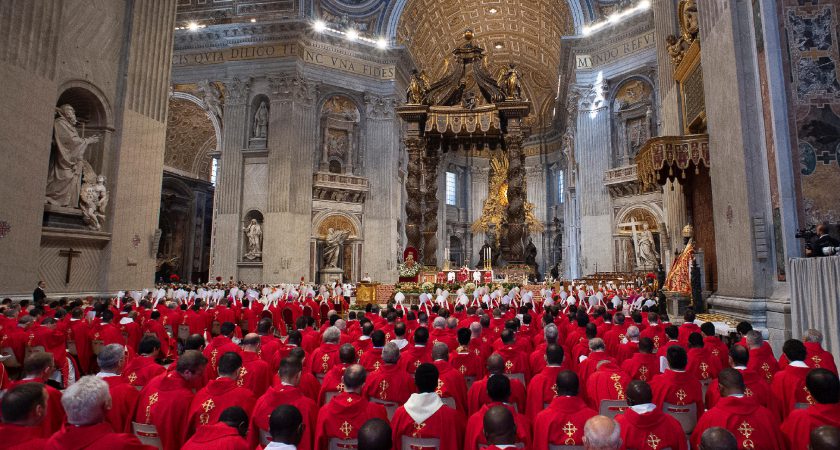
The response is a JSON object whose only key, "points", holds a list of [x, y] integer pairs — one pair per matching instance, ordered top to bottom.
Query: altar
{"points": [[465, 275]]}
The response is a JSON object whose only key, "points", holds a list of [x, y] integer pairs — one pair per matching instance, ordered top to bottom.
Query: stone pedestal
{"points": [[331, 274], [677, 303]]}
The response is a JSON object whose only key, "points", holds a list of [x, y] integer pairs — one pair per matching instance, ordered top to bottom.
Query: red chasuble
{"points": [[218, 347], [718, 349], [413, 356], [817, 358], [322, 359], [372, 359], [763, 362], [467, 363], [702, 364], [588, 366], [642, 366], [140, 370], [255, 374], [333, 382], [390, 383], [607, 383], [452, 384], [677, 388], [756, 388], [788, 389], [541, 390], [283, 394], [478, 395], [217, 396], [123, 403], [165, 403], [55, 411], [342, 417], [562, 422], [445, 424], [752, 425], [798, 426], [475, 427], [651, 431], [219, 436], [15, 437], [93, 437]]}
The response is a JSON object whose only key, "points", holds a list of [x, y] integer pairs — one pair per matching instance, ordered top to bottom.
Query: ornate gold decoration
{"points": [[689, 29], [189, 137], [662, 158], [494, 211], [336, 222]]}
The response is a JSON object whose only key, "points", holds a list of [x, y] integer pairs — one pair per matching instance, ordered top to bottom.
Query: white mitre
{"points": [[399, 297]]}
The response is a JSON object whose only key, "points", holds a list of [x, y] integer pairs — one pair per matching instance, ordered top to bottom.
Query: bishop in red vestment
{"points": [[220, 345], [761, 356], [818, 357], [321, 360], [701, 363], [643, 365], [37, 368], [143, 368], [255, 374], [333, 381], [390, 383], [451, 383], [607, 383], [676, 386], [788, 388], [498, 389], [542, 389], [825, 389], [285, 393], [220, 394], [477, 394], [124, 396], [165, 401], [25, 408], [425, 416], [342, 417], [561, 423], [752, 425], [645, 426], [500, 429], [227, 434]]}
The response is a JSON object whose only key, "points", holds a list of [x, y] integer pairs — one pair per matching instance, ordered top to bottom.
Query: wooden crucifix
{"points": [[69, 254]]}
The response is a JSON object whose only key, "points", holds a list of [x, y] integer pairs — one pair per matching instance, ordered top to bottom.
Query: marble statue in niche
{"points": [[212, 97], [261, 122], [337, 143], [68, 165], [93, 201], [253, 231], [332, 245], [646, 248]]}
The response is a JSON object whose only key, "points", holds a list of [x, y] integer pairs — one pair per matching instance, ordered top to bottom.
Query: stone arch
{"points": [[93, 111], [340, 117], [217, 126], [192, 137], [332, 219], [624, 242]]}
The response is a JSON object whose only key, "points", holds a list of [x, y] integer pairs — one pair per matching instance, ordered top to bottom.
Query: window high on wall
{"points": [[560, 187], [451, 188]]}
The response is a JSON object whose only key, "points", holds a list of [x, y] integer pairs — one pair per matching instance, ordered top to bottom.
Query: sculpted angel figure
{"points": [[509, 82], [418, 88]]}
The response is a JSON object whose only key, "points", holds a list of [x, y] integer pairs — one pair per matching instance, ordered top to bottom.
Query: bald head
{"points": [[251, 342], [347, 354], [495, 363], [354, 378], [638, 393], [499, 426], [601, 433], [375, 434], [717, 438], [825, 438]]}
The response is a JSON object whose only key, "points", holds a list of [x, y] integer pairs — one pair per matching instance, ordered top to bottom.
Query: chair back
{"points": [[183, 332], [97, 345], [11, 362], [517, 376], [704, 385], [329, 396], [448, 401], [801, 405], [390, 407], [612, 408], [686, 415], [147, 434], [265, 437], [413, 443], [343, 444], [564, 447]]}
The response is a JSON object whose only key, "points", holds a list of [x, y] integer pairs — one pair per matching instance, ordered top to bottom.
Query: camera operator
{"points": [[823, 245]]}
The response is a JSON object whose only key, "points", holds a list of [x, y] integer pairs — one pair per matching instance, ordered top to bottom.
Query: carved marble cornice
{"points": [[292, 88], [236, 91], [380, 108]]}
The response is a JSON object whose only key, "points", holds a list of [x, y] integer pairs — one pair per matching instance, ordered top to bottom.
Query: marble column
{"points": [[592, 145], [291, 152], [228, 195]]}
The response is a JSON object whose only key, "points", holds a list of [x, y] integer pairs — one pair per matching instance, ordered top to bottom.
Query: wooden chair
{"points": [[390, 407], [612, 408], [686, 415], [147, 434], [413, 443], [343, 444]]}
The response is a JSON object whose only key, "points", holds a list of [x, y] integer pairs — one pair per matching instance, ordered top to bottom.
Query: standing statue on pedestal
{"points": [[509, 83], [261, 122], [68, 164], [254, 233], [332, 246], [648, 256], [679, 279]]}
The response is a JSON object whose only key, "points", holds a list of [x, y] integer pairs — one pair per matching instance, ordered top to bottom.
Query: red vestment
{"points": [[685, 331], [79, 333], [614, 337], [362, 345], [718, 349], [215, 350], [626, 350], [413, 355], [322, 358], [817, 358], [372, 359], [515, 360], [763, 362], [467, 363], [702, 364], [588, 366], [642, 366], [140, 370], [255, 374], [333, 382], [390, 383], [607, 383], [451, 384], [755, 387], [677, 388], [788, 389], [541, 390], [218, 395], [283, 395], [478, 396], [123, 403], [165, 403], [55, 411], [342, 417], [562, 422], [445, 424], [752, 425], [798, 426], [475, 427], [651, 431], [218, 436], [16, 437], [93, 437]]}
